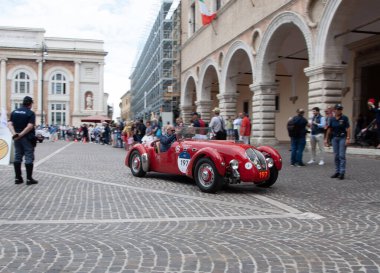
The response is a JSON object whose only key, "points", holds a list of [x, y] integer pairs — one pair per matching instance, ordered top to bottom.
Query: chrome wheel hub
{"points": [[136, 164], [206, 175]]}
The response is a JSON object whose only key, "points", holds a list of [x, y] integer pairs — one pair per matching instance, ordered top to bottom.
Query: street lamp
{"points": [[44, 52]]}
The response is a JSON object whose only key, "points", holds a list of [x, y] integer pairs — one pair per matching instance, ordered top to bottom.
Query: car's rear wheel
{"points": [[135, 163], [207, 177], [272, 179]]}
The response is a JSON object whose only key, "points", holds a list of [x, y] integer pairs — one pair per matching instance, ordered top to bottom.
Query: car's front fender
{"points": [[211, 153], [274, 154], [144, 156]]}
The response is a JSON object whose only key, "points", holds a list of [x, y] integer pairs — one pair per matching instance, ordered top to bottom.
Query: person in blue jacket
{"points": [[21, 125], [339, 127], [167, 139], [298, 141]]}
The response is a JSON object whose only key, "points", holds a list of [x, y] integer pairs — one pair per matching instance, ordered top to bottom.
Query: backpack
{"points": [[292, 128]]}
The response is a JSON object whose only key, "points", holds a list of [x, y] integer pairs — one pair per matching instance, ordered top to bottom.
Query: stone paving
{"points": [[89, 214]]}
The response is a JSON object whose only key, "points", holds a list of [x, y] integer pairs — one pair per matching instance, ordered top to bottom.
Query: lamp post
{"points": [[44, 52]]}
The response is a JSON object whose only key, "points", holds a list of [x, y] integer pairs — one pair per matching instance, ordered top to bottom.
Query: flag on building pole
{"points": [[207, 16]]}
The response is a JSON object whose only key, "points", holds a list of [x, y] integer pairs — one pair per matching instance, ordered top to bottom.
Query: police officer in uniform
{"points": [[21, 125], [339, 127]]}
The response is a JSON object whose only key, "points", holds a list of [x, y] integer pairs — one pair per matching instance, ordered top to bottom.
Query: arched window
{"points": [[22, 83], [58, 84]]}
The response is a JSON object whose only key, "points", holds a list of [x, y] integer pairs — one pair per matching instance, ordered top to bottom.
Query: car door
{"points": [[166, 162]]}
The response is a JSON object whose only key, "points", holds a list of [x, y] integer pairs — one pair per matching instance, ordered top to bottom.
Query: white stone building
{"points": [[269, 58], [63, 76]]}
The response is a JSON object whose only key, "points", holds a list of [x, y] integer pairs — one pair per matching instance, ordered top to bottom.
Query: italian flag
{"points": [[207, 16]]}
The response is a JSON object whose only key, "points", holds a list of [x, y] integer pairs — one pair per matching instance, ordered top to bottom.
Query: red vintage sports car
{"points": [[211, 163]]}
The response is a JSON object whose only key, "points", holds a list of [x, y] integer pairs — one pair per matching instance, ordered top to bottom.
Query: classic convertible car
{"points": [[211, 163]]}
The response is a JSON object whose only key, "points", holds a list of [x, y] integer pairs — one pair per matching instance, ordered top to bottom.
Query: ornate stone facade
{"points": [[279, 56], [58, 73]]}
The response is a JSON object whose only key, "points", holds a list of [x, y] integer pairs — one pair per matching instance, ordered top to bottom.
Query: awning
{"points": [[96, 119]]}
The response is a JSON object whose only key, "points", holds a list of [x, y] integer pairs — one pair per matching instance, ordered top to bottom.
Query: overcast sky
{"points": [[120, 23]]}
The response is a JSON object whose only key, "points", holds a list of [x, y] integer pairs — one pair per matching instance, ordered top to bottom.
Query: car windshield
{"points": [[189, 132]]}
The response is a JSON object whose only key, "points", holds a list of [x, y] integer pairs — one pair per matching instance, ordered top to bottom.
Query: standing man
{"points": [[372, 108], [197, 122], [237, 124], [317, 125], [21, 126], [218, 126], [339, 127], [245, 129], [298, 139]]}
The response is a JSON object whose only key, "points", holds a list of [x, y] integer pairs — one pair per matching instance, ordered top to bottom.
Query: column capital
{"points": [[3, 59], [77, 62], [325, 69], [264, 88], [227, 96], [203, 102], [186, 107]]}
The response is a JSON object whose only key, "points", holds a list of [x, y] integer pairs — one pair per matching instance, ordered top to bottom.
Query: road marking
{"points": [[39, 162], [278, 204], [282, 208], [154, 220]]}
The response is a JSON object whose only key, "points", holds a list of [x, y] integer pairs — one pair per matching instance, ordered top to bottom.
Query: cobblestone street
{"points": [[89, 214]]}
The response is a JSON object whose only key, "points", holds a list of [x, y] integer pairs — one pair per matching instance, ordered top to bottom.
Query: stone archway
{"points": [[347, 48], [280, 83], [208, 89], [236, 95], [188, 98]]}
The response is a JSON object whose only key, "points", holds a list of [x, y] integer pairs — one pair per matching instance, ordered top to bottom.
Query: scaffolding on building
{"points": [[155, 77]]}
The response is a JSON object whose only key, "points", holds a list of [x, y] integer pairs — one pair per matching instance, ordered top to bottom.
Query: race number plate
{"points": [[183, 161], [263, 174]]}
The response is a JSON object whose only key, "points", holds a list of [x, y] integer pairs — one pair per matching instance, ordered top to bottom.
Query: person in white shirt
{"points": [[237, 124], [218, 126]]}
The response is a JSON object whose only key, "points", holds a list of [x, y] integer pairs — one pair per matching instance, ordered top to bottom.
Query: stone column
{"points": [[40, 81], [3, 83], [325, 85], [101, 89], [77, 98], [227, 104], [204, 108], [186, 113], [263, 118]]}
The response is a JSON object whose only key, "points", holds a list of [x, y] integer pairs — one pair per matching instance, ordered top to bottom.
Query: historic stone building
{"points": [[269, 58], [63, 76], [125, 106]]}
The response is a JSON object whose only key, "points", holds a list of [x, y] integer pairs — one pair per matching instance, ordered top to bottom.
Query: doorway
{"points": [[370, 88]]}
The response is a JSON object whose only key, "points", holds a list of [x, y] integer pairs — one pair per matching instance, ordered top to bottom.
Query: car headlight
{"points": [[257, 158], [270, 162], [234, 164]]}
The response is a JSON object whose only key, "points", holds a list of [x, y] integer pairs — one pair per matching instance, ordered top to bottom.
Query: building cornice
{"points": [[9, 28], [199, 31]]}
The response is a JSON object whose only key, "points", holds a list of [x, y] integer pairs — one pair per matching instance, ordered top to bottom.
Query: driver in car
{"points": [[167, 139]]}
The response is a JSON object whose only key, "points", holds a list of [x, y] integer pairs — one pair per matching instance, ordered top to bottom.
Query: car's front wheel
{"points": [[135, 163], [207, 177], [272, 178]]}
